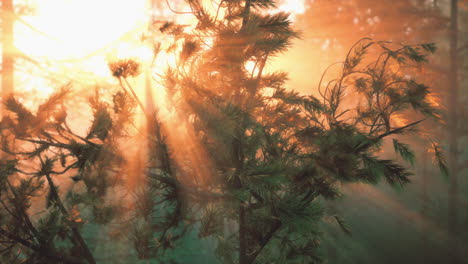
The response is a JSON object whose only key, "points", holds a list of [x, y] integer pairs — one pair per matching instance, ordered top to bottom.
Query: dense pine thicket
{"points": [[272, 155]]}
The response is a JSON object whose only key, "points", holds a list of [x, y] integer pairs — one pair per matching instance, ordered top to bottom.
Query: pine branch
{"points": [[246, 15], [135, 96], [378, 138], [47, 143], [190, 190], [23, 214], [75, 233], [264, 241], [53, 256]]}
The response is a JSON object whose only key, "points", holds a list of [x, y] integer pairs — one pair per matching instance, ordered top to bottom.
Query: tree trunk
{"points": [[7, 47], [8, 52], [453, 135], [424, 208], [242, 237]]}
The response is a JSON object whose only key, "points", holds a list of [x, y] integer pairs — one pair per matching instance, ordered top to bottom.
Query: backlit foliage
{"points": [[272, 155]]}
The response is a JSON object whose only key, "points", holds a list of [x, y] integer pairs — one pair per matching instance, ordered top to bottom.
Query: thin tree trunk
{"points": [[7, 48], [8, 62], [453, 135], [239, 155], [424, 208], [242, 237], [264, 241]]}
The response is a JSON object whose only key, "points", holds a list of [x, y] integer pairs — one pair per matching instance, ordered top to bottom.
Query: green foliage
{"points": [[49, 148], [404, 151], [277, 152], [439, 159], [374, 168]]}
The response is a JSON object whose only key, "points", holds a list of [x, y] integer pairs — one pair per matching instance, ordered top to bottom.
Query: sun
{"points": [[71, 29], [74, 36], [71, 40]]}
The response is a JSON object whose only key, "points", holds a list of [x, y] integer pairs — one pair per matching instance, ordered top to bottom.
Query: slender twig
{"points": [[174, 11], [135, 96], [388, 133]]}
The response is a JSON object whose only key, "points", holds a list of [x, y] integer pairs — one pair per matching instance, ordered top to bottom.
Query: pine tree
{"points": [[277, 152], [272, 155]]}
